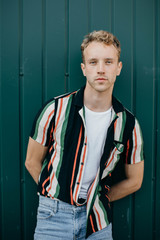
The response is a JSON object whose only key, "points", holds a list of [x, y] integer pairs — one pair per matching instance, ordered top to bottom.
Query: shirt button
{"points": [[85, 144], [77, 182]]}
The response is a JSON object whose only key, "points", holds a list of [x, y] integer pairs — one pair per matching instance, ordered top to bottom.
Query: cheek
{"points": [[88, 72], [114, 72]]}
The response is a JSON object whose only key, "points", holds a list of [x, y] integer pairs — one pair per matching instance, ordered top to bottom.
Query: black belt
{"points": [[81, 200]]}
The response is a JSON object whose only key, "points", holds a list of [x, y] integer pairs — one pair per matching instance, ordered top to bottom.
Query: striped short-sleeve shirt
{"points": [[60, 125]]}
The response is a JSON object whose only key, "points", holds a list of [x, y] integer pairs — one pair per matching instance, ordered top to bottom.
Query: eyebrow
{"points": [[93, 59], [109, 59]]}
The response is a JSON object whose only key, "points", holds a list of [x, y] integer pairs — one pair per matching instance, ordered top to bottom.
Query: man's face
{"points": [[101, 67]]}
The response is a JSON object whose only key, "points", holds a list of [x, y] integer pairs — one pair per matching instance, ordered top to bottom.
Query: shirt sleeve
{"points": [[43, 125], [134, 148]]}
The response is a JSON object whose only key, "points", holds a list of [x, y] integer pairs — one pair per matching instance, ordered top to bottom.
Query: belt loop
{"points": [[55, 206]]}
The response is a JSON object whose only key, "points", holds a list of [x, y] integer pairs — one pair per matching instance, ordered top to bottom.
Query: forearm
{"points": [[35, 156], [34, 170], [132, 183], [122, 189]]}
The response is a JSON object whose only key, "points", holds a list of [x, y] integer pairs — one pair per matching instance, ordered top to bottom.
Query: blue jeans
{"points": [[57, 220]]}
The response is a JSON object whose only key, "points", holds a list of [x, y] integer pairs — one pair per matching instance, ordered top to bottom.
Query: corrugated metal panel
{"points": [[40, 58], [145, 79], [31, 98], [157, 120], [10, 163]]}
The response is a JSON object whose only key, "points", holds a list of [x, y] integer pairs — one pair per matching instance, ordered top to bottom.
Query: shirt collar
{"points": [[78, 101], [117, 105]]}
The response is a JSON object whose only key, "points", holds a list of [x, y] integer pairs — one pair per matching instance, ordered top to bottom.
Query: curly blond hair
{"points": [[103, 37]]}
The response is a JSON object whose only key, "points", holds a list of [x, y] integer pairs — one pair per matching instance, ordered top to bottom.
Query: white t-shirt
{"points": [[97, 124]]}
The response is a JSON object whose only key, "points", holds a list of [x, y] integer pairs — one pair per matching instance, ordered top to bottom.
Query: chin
{"points": [[101, 90]]}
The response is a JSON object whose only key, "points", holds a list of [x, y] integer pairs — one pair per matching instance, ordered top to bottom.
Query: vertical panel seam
{"points": [[89, 10], [113, 16], [157, 51], [67, 55], [44, 63], [21, 77], [133, 83], [133, 90], [155, 109], [1, 181]]}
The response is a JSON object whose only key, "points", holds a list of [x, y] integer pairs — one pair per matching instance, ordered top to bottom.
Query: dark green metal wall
{"points": [[40, 58]]}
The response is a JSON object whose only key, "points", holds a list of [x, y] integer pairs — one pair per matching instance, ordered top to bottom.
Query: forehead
{"points": [[100, 50]]}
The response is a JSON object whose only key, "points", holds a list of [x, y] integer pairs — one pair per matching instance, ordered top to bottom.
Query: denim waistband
{"points": [[60, 204]]}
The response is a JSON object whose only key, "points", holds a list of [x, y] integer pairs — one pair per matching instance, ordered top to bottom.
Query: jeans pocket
{"points": [[45, 212]]}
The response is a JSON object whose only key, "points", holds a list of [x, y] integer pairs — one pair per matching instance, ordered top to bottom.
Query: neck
{"points": [[97, 101]]}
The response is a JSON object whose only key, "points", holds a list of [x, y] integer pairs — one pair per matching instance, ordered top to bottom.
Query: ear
{"points": [[119, 68], [83, 69]]}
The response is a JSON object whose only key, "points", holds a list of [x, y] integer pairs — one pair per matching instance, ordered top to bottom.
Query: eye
{"points": [[92, 62], [108, 62]]}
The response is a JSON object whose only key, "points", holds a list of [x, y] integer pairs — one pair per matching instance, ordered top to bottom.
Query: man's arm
{"points": [[35, 157], [132, 183]]}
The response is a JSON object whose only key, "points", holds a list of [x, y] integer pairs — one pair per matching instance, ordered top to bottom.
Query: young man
{"points": [[80, 146]]}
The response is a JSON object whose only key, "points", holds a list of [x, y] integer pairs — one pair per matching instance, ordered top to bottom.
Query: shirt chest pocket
{"points": [[118, 146], [115, 153], [113, 158]]}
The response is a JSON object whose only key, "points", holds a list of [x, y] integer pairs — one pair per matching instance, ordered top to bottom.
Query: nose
{"points": [[101, 68]]}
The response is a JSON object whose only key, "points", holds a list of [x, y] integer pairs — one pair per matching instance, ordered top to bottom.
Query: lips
{"points": [[101, 79]]}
